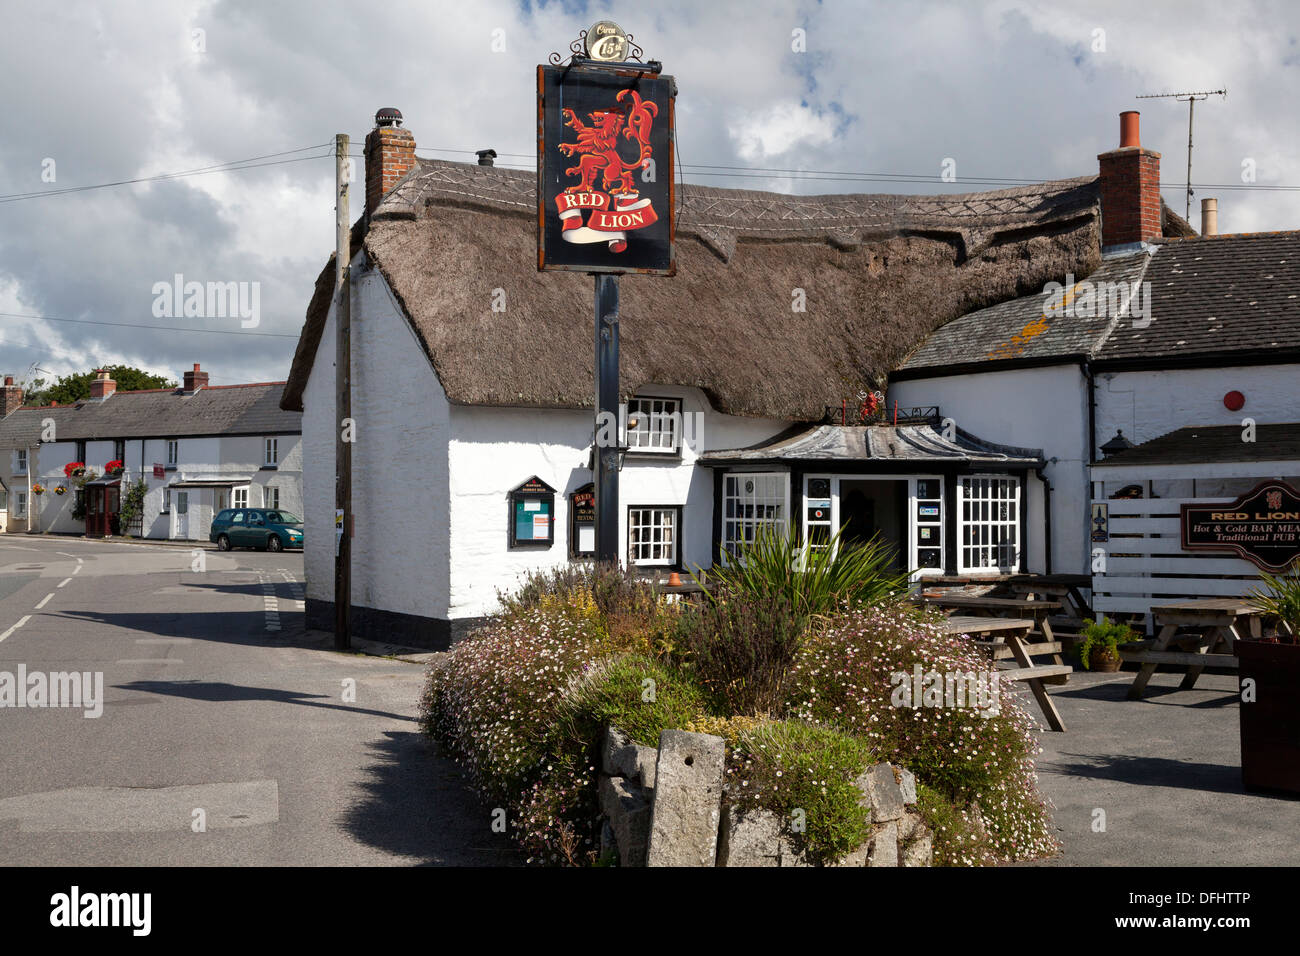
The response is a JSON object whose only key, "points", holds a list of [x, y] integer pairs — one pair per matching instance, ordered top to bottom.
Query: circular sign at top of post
{"points": [[606, 41]]}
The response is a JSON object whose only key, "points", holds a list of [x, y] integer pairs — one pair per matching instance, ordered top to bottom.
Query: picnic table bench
{"points": [[1210, 622], [1003, 638]]}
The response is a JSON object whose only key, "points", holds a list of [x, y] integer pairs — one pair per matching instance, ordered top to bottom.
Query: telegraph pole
{"points": [[1191, 99], [343, 401]]}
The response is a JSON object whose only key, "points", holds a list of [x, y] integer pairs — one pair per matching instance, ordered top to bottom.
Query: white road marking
{"points": [[66, 555], [76, 569], [64, 582], [45, 600], [270, 604], [21, 621], [163, 640]]}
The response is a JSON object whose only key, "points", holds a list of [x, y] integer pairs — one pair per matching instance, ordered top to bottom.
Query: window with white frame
{"points": [[654, 426], [173, 453], [272, 456], [21, 466], [272, 496], [240, 498], [167, 499], [752, 501], [20, 511], [988, 511], [652, 535]]}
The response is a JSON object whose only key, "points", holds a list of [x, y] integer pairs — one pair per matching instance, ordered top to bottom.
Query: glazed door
{"points": [[183, 515]]}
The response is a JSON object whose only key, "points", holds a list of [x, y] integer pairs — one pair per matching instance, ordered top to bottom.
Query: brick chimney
{"points": [[390, 155], [1130, 188], [196, 379], [103, 386], [11, 397]]}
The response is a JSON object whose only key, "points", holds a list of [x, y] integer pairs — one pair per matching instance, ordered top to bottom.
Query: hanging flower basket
{"points": [[113, 468], [74, 469], [38, 489], [61, 489]]}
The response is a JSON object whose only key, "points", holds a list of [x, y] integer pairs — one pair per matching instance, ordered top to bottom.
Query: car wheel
{"points": [[223, 542], [274, 543]]}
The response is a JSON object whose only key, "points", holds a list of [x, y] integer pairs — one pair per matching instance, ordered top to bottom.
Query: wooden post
{"points": [[343, 401]]}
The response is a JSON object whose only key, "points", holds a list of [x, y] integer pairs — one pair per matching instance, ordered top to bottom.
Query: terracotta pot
{"points": [[1104, 661]]}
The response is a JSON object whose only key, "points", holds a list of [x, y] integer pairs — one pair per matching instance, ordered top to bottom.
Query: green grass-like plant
{"points": [[813, 581]]}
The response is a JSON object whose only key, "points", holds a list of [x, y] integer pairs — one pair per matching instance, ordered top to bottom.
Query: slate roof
{"points": [[1217, 294], [1209, 296], [159, 413], [879, 443], [1207, 444]]}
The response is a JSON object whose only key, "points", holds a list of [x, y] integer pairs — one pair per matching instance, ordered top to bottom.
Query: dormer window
{"points": [[654, 426]]}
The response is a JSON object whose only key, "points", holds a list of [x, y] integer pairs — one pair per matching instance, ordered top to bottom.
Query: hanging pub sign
{"points": [[605, 160], [532, 514], [582, 521], [1262, 526]]}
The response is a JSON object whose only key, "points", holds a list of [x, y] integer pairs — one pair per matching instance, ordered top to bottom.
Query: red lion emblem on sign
{"points": [[598, 144], [619, 209], [1274, 499]]}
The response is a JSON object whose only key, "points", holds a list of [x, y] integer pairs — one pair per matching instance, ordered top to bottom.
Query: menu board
{"points": [[532, 513]]}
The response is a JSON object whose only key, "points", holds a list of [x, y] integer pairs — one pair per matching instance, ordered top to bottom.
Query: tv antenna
{"points": [[1191, 99]]}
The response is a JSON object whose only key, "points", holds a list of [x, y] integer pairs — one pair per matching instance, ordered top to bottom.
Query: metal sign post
{"points": [[606, 207]]}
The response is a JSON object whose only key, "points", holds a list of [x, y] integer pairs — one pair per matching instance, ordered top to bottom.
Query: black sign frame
{"points": [[646, 243], [532, 490], [582, 513], [1281, 546]]}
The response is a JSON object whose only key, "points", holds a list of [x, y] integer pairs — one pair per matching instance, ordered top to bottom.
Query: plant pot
{"points": [[1104, 662], [1270, 724]]}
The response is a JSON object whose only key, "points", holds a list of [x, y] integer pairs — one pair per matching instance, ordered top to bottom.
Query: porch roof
{"points": [[920, 444], [209, 483]]}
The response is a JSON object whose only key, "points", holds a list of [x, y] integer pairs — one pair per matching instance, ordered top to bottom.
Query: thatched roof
{"points": [[879, 271]]}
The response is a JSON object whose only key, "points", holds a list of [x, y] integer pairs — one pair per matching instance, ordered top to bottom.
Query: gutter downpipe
{"points": [[31, 498], [1047, 519]]}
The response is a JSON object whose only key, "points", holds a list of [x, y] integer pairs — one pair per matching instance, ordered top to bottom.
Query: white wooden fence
{"points": [[1145, 563]]}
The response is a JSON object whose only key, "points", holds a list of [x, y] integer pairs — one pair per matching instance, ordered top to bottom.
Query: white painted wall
{"points": [[1147, 405], [1043, 408], [494, 450], [399, 462]]}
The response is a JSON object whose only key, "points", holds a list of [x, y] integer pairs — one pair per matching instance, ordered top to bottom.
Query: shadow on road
{"points": [[220, 692], [1149, 771], [414, 803]]}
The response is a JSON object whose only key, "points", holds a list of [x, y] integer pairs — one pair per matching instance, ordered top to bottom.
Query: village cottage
{"points": [[745, 379], [199, 449]]}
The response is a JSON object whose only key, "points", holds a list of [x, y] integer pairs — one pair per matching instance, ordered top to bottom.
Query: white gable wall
{"points": [[399, 461]]}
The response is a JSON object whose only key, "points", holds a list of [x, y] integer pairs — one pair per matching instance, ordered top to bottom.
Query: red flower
{"points": [[72, 466], [112, 466]]}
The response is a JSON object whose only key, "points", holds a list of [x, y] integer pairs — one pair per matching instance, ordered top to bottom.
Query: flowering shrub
{"points": [[842, 679], [805, 774]]}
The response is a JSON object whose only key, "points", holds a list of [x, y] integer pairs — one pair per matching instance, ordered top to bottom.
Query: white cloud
{"points": [[762, 134]]}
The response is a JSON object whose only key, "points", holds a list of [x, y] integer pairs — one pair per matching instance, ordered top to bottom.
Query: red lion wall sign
{"points": [[605, 171], [1262, 526]]}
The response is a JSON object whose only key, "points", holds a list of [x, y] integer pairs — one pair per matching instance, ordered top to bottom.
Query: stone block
{"points": [[620, 756], [907, 784], [881, 792], [687, 804], [627, 810], [751, 838], [884, 845], [920, 851]]}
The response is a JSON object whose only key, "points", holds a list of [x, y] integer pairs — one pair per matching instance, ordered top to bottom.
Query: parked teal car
{"points": [[266, 529]]}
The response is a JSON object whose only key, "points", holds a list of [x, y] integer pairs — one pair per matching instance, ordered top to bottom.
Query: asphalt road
{"points": [[227, 735]]}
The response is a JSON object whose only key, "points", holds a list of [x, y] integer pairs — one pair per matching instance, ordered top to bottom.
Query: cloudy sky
{"points": [[1009, 90]]}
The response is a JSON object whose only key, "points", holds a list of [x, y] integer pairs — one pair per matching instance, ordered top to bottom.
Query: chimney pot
{"points": [[1128, 129], [390, 155], [486, 156], [1209, 217], [9, 379], [196, 379], [103, 386]]}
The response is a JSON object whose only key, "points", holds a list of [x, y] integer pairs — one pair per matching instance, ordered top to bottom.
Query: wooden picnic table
{"points": [[1066, 588], [1210, 623], [1005, 637]]}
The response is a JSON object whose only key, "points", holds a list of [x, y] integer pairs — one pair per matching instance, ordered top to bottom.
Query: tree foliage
{"points": [[76, 387]]}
